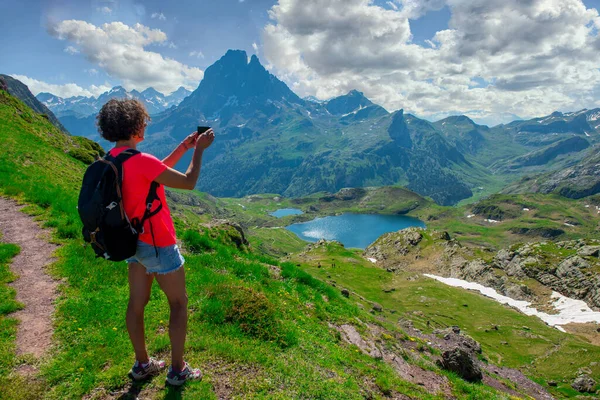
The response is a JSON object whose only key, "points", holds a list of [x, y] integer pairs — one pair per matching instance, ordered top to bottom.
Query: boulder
{"points": [[440, 235], [413, 237], [589, 251], [503, 258], [571, 268], [518, 292], [345, 293], [377, 307], [457, 339], [367, 346], [462, 363], [584, 384]]}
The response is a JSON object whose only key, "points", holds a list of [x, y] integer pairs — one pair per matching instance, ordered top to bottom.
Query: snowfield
{"points": [[569, 311]]}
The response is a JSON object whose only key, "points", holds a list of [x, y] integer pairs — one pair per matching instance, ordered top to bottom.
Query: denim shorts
{"points": [[169, 258]]}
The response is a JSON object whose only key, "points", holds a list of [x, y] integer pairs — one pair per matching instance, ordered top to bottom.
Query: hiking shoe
{"points": [[139, 371], [179, 378]]}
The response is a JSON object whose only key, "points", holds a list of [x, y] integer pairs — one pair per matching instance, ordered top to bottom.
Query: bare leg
{"points": [[140, 284], [173, 285]]}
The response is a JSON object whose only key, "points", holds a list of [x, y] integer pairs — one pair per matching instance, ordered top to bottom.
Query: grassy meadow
{"points": [[260, 327]]}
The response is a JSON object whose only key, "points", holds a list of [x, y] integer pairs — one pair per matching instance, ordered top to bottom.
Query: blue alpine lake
{"points": [[284, 212], [353, 230]]}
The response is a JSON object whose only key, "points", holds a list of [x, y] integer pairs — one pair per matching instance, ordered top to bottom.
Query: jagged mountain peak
{"points": [[233, 80], [117, 89], [181, 90], [151, 92], [348, 103], [459, 119]]}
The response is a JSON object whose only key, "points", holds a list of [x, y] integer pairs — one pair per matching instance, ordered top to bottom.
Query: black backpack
{"points": [[105, 225]]}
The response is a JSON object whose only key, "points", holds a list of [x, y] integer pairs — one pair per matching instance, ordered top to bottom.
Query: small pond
{"points": [[284, 212], [353, 230]]}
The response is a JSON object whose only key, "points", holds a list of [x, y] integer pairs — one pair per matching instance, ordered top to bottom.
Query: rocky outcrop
{"points": [[399, 132], [575, 182], [232, 230], [395, 243], [589, 251], [572, 276], [455, 338], [462, 363], [584, 384]]}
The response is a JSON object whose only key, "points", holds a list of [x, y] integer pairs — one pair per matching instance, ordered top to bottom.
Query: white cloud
{"points": [[392, 4], [417, 8], [104, 10], [160, 16], [431, 43], [170, 45], [255, 47], [71, 50], [119, 50], [196, 53], [537, 55], [92, 71], [66, 90]]}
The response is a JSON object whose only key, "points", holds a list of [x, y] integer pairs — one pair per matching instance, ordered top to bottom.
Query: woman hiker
{"points": [[123, 122]]}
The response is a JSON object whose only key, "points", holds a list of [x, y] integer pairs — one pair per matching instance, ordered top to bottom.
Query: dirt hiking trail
{"points": [[35, 289]]}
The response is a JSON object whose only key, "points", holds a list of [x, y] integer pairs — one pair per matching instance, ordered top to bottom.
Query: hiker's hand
{"points": [[205, 140], [190, 141]]}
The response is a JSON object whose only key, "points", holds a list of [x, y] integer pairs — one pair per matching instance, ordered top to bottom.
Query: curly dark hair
{"points": [[120, 119]]}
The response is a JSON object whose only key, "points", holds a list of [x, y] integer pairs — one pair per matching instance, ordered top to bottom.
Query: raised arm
{"points": [[172, 159], [176, 179]]}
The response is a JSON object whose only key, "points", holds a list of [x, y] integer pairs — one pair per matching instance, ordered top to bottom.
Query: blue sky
{"points": [[209, 27], [391, 50]]}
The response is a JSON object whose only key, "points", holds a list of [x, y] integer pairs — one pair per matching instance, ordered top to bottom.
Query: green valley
{"points": [[266, 321]]}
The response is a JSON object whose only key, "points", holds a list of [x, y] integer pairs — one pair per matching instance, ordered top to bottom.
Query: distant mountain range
{"points": [[81, 106], [269, 140]]}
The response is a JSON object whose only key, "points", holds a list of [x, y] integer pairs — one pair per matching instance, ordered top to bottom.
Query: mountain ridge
{"points": [[17, 89], [154, 100], [271, 140]]}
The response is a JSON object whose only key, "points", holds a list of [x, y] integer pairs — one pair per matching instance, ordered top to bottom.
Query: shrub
{"points": [[82, 155], [248, 309]]}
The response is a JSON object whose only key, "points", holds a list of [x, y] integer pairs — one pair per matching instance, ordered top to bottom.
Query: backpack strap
{"points": [[126, 155], [119, 160], [116, 163], [150, 198], [149, 213]]}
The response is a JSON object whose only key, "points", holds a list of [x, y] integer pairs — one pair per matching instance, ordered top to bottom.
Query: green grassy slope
{"points": [[259, 328], [522, 342]]}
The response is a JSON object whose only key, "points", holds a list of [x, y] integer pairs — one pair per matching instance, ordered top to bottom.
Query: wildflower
{"points": [[79, 329], [114, 329], [81, 369]]}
